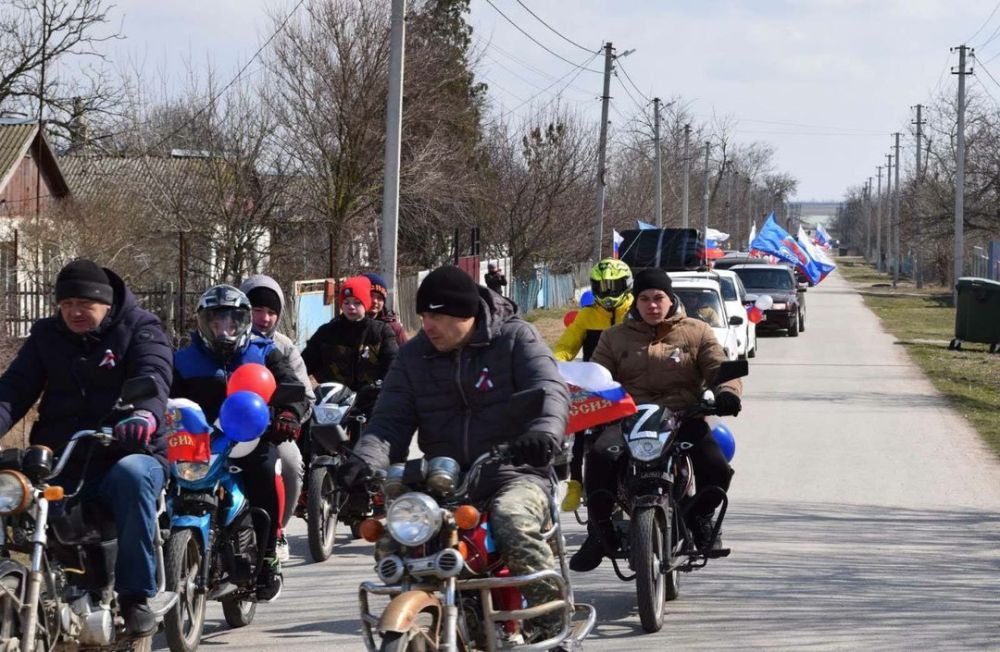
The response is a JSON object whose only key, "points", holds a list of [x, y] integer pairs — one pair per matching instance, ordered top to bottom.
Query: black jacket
{"points": [[353, 353], [80, 377], [458, 401]]}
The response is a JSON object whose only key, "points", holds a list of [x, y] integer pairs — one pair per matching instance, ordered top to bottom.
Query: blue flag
{"points": [[643, 226], [774, 240]]}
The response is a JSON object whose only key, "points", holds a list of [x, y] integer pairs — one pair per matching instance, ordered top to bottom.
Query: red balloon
{"points": [[570, 316], [252, 377]]}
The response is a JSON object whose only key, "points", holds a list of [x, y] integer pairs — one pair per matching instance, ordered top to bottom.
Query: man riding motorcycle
{"points": [[611, 284], [223, 342], [660, 356], [78, 361], [452, 383]]}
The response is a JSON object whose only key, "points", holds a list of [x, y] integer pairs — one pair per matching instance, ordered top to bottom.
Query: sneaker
{"points": [[571, 501], [602, 540], [281, 549], [270, 581], [139, 618]]}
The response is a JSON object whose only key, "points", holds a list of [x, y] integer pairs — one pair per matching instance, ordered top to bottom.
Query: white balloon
{"points": [[764, 302], [243, 448]]}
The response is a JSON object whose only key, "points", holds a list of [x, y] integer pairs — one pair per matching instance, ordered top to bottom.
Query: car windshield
{"points": [[771, 279], [728, 289], [702, 304]]}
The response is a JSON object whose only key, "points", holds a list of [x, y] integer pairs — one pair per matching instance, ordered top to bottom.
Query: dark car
{"points": [[789, 309]]}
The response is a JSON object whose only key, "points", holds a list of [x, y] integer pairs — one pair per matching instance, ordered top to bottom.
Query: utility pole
{"points": [[919, 122], [393, 138], [602, 147], [659, 168], [960, 174], [686, 193], [707, 197], [729, 200], [888, 205], [868, 217], [897, 218], [750, 219], [878, 222], [918, 275]]}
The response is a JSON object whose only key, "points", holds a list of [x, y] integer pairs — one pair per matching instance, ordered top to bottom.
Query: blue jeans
{"points": [[130, 489]]}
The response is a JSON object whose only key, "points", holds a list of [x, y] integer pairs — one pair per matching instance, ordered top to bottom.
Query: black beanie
{"points": [[84, 279], [652, 279], [448, 291], [264, 297]]}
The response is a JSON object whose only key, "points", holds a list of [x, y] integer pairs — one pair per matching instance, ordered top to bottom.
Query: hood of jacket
{"points": [[264, 281]]}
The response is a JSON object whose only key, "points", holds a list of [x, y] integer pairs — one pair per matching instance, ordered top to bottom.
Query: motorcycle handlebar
{"points": [[103, 436]]}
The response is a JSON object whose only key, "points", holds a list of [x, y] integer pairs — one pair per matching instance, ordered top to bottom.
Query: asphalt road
{"points": [[864, 514]]}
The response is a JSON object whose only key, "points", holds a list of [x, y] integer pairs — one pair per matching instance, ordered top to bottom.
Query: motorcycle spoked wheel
{"points": [[323, 504], [649, 548], [12, 575], [238, 612], [184, 623], [419, 638]]}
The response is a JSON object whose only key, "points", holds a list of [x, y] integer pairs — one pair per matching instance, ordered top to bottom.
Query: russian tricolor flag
{"points": [[616, 241], [595, 398]]}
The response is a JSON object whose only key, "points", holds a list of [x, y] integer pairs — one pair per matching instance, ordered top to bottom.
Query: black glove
{"points": [[727, 403], [285, 427], [533, 449], [353, 474]]}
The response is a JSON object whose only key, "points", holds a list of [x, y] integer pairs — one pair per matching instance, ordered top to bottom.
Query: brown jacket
{"points": [[671, 364]]}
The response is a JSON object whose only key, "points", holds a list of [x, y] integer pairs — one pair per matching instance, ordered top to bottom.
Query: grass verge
{"points": [[924, 322]]}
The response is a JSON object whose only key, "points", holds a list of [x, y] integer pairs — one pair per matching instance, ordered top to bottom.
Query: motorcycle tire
{"points": [[321, 513], [649, 547], [182, 560], [238, 613], [418, 639]]}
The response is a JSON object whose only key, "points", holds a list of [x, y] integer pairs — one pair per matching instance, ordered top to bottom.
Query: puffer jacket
{"points": [[586, 329], [281, 341], [355, 353], [670, 364], [458, 401]]}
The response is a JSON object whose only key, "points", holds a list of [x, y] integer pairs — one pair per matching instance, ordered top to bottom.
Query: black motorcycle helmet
{"points": [[224, 321]]}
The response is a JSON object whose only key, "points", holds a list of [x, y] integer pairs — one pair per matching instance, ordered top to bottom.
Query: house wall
{"points": [[22, 197]]}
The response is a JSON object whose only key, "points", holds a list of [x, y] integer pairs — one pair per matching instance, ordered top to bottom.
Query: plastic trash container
{"points": [[977, 316]]}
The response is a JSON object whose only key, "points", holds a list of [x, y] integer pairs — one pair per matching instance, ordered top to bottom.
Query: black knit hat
{"points": [[84, 279], [652, 279], [448, 291], [265, 297]]}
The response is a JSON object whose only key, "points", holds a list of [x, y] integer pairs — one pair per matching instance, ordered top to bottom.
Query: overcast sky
{"points": [[823, 81]]}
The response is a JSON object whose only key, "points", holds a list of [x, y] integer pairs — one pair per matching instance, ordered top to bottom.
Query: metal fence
{"points": [[986, 261]]}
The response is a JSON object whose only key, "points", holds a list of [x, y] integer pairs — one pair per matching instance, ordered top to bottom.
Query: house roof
{"points": [[15, 140]]}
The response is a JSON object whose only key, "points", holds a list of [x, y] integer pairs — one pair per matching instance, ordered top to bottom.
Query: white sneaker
{"points": [[281, 549]]}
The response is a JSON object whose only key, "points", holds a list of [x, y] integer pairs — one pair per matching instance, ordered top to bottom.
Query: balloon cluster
{"points": [[756, 312], [244, 415]]}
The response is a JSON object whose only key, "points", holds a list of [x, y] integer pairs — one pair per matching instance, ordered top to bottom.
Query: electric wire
{"points": [[985, 22], [557, 32], [534, 40], [575, 72], [625, 72]]}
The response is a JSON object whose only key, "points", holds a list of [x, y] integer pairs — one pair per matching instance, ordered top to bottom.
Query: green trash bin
{"points": [[977, 316]]}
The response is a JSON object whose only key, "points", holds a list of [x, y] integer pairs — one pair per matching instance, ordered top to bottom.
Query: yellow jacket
{"points": [[586, 329]]}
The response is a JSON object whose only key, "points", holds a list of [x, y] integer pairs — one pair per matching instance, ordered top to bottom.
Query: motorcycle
{"points": [[334, 420], [655, 491], [215, 551], [448, 586], [64, 598]]}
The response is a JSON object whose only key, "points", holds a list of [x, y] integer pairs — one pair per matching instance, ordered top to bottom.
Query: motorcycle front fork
{"points": [[29, 610], [450, 625]]}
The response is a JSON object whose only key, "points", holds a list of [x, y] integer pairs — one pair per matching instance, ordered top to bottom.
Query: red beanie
{"points": [[357, 287]]}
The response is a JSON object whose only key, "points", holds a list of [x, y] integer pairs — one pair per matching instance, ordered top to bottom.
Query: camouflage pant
{"points": [[518, 515]]}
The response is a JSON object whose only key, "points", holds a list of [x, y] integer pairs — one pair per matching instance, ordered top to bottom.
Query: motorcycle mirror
{"points": [[730, 370], [137, 389], [287, 393]]}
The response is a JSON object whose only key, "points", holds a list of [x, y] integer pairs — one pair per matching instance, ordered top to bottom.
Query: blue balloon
{"points": [[586, 299], [244, 416], [725, 439]]}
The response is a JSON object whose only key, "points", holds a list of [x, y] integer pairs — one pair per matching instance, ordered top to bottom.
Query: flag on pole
{"points": [[644, 226], [753, 234], [822, 237], [713, 239], [774, 240], [616, 241], [818, 256]]}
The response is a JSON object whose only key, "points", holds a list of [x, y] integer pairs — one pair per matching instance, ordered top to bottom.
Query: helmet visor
{"points": [[609, 287], [223, 323]]}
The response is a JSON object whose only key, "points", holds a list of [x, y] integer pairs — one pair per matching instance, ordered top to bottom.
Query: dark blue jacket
{"points": [[79, 377], [202, 378]]}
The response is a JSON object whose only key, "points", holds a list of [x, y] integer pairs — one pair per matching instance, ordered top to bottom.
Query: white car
{"points": [[734, 295], [702, 299]]}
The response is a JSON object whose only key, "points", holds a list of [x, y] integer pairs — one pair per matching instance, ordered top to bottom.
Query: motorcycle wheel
{"points": [[321, 513], [649, 548], [182, 560], [11, 576], [238, 613], [417, 639]]}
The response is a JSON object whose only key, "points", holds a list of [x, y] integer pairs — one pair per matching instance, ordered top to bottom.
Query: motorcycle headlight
{"points": [[779, 306], [646, 449], [191, 471], [15, 492], [413, 518]]}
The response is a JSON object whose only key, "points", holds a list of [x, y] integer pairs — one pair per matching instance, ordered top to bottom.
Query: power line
{"points": [[985, 23], [554, 30], [992, 36], [533, 39], [523, 63], [575, 72], [625, 72], [988, 73], [627, 92]]}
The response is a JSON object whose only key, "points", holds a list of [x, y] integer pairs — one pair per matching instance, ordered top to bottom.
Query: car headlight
{"points": [[779, 306], [646, 449], [191, 471], [15, 492], [413, 518]]}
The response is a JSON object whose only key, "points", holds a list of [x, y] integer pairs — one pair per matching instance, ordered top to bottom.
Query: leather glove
{"points": [[727, 403], [285, 427], [135, 431], [533, 449], [353, 474]]}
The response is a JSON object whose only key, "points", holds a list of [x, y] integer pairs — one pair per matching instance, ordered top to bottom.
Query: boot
{"points": [[571, 502], [701, 531], [602, 540], [270, 580], [139, 619]]}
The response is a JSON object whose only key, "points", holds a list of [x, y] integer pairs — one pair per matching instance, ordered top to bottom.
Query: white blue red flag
{"points": [[616, 241], [595, 397]]}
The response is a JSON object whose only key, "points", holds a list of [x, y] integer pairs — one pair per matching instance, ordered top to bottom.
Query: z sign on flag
{"points": [[595, 398]]}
